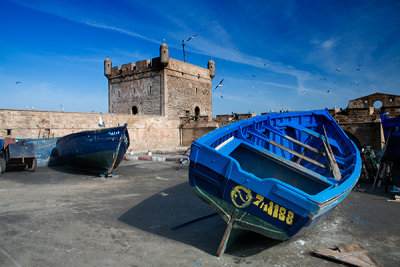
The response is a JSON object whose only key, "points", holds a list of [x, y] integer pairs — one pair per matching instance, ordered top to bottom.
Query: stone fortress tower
{"points": [[162, 86]]}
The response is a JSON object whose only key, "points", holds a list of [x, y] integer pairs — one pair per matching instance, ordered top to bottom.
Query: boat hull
{"points": [[391, 130], [98, 151], [263, 189]]}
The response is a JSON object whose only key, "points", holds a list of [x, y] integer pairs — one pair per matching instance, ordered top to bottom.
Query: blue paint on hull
{"points": [[392, 126], [45, 151], [98, 151], [245, 168]]}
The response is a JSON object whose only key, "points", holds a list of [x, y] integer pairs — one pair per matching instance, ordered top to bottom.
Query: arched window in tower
{"points": [[134, 110], [196, 113]]}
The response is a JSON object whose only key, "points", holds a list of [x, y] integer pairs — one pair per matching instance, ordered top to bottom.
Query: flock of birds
{"points": [[358, 68], [219, 85]]}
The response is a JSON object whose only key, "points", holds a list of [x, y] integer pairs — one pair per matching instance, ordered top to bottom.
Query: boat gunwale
{"points": [[324, 197]]}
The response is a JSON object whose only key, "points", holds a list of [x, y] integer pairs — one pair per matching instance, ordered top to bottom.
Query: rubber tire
{"points": [[2, 165], [32, 165]]}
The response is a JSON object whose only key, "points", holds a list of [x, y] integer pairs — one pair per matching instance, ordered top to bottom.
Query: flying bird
{"points": [[191, 37], [338, 70], [253, 75], [18, 82], [219, 85]]}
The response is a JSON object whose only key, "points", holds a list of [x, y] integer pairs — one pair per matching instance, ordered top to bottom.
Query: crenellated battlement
{"points": [[135, 68], [161, 86]]}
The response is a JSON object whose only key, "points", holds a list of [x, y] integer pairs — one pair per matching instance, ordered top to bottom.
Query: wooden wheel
{"points": [[32, 165]]}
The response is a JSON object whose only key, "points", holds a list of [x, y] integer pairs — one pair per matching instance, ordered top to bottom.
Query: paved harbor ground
{"points": [[59, 217]]}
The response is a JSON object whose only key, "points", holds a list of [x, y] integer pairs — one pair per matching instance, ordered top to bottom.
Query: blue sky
{"points": [[272, 55]]}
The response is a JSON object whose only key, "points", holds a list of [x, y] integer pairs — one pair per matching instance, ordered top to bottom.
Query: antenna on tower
{"points": [[183, 46]]}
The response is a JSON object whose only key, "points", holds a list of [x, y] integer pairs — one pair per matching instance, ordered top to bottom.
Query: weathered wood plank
{"points": [[297, 154], [331, 158], [352, 254]]}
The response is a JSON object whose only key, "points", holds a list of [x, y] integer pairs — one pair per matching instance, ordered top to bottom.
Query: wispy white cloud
{"points": [[70, 14], [120, 30], [217, 43], [327, 44], [344, 46]]}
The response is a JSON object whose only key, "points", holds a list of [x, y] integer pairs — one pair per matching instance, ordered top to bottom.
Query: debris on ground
{"points": [[396, 199], [352, 254]]}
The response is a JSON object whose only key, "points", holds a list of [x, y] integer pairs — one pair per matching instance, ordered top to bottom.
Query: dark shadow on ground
{"points": [[68, 169], [57, 174], [46, 175], [366, 188], [178, 204], [250, 244]]}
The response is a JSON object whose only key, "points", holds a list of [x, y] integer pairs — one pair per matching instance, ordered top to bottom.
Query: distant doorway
{"points": [[134, 110], [196, 113]]}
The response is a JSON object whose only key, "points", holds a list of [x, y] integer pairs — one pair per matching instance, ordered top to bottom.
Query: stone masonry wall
{"points": [[136, 85], [188, 86], [148, 87], [142, 91], [184, 95], [361, 120], [194, 128], [145, 132]]}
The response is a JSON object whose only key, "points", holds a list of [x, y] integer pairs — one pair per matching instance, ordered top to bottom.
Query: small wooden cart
{"points": [[19, 155]]}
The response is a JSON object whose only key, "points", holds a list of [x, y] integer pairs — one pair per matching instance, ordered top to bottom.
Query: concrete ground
{"points": [[59, 217]]}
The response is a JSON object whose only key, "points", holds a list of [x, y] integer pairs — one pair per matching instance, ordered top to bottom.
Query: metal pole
{"points": [[183, 47]]}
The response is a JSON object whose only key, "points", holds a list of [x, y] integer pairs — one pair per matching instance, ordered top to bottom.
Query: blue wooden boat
{"points": [[391, 131], [98, 151], [391, 151], [274, 174]]}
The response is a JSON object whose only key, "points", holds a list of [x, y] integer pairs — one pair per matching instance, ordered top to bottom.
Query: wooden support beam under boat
{"points": [[231, 235]]}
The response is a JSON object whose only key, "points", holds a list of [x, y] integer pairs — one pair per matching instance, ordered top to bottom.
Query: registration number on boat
{"points": [[113, 133], [242, 197], [274, 210]]}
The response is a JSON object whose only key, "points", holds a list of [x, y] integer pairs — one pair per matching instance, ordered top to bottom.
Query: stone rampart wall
{"points": [[146, 132]]}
